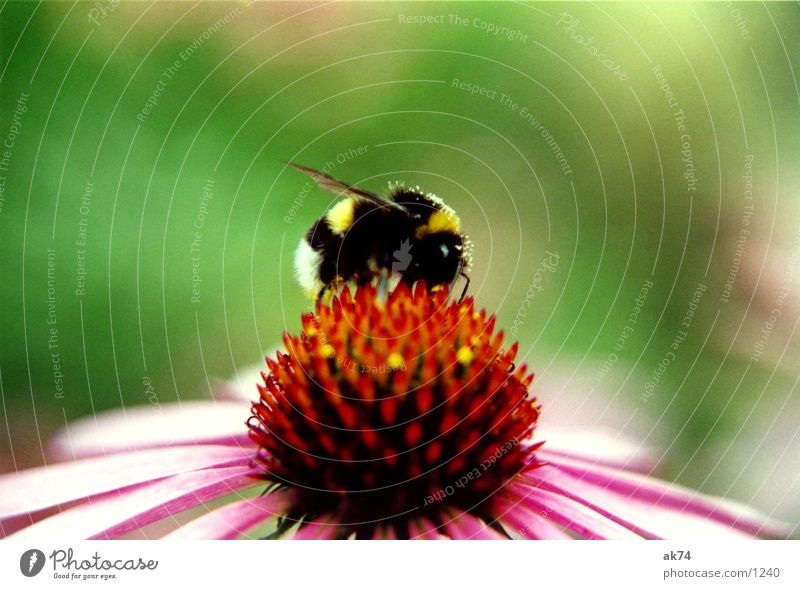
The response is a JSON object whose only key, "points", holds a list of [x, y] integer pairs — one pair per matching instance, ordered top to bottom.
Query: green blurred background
{"points": [[145, 173]]}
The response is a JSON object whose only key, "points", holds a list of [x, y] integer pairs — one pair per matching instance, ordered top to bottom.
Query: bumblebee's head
{"points": [[438, 252], [437, 258]]}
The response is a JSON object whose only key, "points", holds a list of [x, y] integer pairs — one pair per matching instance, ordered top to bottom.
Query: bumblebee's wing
{"points": [[340, 188]]}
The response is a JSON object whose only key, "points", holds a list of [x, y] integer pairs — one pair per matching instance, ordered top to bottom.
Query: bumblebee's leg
{"points": [[466, 286], [383, 287], [321, 294]]}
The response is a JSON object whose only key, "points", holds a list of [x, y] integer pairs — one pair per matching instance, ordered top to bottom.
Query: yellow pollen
{"points": [[443, 220], [328, 351], [465, 355], [395, 361]]}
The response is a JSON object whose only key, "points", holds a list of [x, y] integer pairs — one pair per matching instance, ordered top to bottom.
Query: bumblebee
{"points": [[409, 235]]}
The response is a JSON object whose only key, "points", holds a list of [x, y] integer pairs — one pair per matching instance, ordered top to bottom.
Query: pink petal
{"points": [[194, 422], [593, 447], [37, 488], [674, 497], [606, 504], [118, 512], [575, 517], [235, 519], [519, 519], [646, 519], [16, 523], [463, 526], [324, 528], [420, 528]]}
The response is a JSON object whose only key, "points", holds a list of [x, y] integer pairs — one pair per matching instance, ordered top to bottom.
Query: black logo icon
{"points": [[31, 562]]}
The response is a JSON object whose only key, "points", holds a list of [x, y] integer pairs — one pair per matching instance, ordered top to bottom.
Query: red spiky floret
{"points": [[381, 409]]}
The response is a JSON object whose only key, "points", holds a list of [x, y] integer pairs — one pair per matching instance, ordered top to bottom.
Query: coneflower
{"points": [[397, 418]]}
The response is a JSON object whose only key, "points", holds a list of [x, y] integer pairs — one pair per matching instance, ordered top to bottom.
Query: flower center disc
{"points": [[382, 410]]}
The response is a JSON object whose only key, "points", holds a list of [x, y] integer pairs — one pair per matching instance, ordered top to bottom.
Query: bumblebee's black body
{"points": [[409, 235]]}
